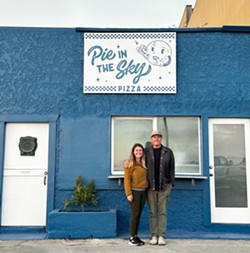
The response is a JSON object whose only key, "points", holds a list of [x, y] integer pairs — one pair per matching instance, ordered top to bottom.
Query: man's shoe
{"points": [[153, 240], [133, 241], [161, 241]]}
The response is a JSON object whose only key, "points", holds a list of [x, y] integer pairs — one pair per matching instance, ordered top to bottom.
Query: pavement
{"points": [[119, 245]]}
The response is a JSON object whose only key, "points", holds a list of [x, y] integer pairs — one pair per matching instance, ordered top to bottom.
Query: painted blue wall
{"points": [[41, 73]]}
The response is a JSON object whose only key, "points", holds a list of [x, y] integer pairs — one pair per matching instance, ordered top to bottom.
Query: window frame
{"points": [[154, 126]]}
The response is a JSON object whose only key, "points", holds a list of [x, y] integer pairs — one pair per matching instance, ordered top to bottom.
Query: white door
{"points": [[229, 170], [24, 197]]}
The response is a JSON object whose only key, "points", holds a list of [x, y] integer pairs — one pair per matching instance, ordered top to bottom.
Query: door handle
{"points": [[45, 177]]}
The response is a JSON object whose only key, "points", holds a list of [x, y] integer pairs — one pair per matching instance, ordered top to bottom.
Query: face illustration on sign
{"points": [[158, 53]]}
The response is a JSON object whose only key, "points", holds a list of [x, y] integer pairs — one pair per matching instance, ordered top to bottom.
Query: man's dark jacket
{"points": [[166, 170]]}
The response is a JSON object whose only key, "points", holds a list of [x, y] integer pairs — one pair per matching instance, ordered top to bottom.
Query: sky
{"points": [[93, 13]]}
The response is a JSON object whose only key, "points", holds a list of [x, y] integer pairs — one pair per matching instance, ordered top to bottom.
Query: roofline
{"points": [[236, 29], [244, 29]]}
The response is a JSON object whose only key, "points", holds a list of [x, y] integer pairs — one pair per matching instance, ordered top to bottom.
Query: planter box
{"points": [[78, 225]]}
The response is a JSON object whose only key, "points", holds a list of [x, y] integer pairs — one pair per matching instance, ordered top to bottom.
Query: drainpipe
{"points": [[189, 11]]}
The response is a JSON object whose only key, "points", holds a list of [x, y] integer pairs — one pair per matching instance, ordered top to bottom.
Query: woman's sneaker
{"points": [[133, 241], [140, 241]]}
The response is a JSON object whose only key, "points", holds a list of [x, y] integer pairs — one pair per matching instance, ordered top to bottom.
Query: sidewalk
{"points": [[121, 245]]}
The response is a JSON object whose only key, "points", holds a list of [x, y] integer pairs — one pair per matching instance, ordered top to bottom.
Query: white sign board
{"points": [[129, 63]]}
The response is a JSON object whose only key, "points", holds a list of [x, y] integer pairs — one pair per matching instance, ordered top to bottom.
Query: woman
{"points": [[135, 183]]}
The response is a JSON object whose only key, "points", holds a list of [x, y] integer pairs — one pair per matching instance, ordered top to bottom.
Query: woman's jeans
{"points": [[139, 199], [157, 202]]}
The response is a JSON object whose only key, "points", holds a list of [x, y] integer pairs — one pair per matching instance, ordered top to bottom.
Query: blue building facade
{"points": [[41, 80]]}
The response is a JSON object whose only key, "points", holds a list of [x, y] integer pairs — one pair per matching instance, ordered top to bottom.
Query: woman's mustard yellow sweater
{"points": [[135, 177]]}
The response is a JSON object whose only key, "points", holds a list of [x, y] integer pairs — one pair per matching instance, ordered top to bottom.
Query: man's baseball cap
{"points": [[156, 132]]}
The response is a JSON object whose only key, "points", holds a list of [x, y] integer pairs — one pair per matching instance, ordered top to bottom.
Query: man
{"points": [[161, 174]]}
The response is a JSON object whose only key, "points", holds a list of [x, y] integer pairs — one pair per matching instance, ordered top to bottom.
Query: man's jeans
{"points": [[157, 202]]}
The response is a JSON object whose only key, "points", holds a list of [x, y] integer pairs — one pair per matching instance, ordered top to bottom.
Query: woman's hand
{"points": [[126, 164], [130, 198]]}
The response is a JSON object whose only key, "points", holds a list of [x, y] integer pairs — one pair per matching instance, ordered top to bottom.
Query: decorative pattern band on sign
{"points": [[129, 36], [129, 89]]}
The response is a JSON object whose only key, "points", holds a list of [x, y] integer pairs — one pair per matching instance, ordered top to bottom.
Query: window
{"points": [[126, 132], [181, 134]]}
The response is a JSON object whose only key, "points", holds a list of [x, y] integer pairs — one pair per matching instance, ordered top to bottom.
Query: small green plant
{"points": [[83, 195]]}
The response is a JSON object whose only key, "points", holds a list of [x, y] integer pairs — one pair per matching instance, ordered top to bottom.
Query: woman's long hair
{"points": [[132, 158]]}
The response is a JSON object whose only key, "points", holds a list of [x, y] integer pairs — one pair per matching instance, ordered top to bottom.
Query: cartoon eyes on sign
{"points": [[158, 53]]}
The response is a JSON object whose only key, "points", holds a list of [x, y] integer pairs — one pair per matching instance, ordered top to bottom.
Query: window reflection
{"points": [[127, 132], [182, 136], [230, 165]]}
